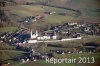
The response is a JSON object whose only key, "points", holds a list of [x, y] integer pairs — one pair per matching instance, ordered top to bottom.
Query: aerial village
{"points": [[38, 39]]}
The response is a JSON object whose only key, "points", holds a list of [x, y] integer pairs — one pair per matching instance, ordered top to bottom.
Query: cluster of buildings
{"points": [[30, 19], [54, 33], [46, 36], [14, 38]]}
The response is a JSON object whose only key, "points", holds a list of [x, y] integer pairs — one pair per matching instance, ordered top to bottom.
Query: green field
{"points": [[88, 8], [53, 9], [24, 10], [20, 11], [92, 12], [58, 19], [8, 29], [10, 53], [6, 55], [43, 63]]}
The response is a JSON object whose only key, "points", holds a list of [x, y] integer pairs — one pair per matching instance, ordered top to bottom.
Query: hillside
{"points": [[89, 8]]}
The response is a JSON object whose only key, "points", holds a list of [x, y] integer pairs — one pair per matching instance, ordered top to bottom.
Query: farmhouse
{"points": [[50, 13], [37, 17]]}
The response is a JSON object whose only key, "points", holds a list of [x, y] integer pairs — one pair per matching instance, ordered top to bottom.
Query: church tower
{"points": [[34, 34]]}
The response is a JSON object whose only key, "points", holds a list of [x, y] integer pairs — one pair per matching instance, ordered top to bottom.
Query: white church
{"points": [[36, 36]]}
